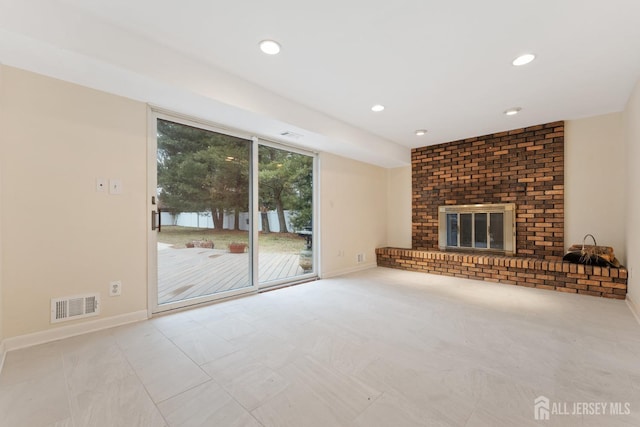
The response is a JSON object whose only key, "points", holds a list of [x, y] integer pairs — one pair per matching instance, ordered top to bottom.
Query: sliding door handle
{"points": [[153, 220], [156, 220]]}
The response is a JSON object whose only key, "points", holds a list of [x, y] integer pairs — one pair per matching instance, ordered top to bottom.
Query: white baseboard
{"points": [[348, 270], [635, 309], [68, 331]]}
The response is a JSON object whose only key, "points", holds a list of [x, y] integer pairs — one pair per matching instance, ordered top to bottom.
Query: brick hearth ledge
{"points": [[531, 272]]}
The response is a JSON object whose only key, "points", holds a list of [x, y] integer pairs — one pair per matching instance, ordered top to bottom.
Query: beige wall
{"points": [[632, 133], [595, 164], [399, 207], [353, 213], [60, 236]]}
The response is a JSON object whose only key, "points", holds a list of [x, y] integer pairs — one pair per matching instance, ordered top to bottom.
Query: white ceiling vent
{"points": [[290, 134], [75, 307]]}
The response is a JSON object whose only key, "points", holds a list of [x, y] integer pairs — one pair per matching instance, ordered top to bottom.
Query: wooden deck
{"points": [[193, 272]]}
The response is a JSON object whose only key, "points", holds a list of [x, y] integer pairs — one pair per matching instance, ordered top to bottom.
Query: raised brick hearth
{"points": [[531, 272]]}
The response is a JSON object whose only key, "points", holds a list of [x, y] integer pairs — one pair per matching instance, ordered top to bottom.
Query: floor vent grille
{"points": [[75, 307]]}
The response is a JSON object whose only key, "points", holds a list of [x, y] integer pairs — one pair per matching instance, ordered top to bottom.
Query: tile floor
{"points": [[377, 348]]}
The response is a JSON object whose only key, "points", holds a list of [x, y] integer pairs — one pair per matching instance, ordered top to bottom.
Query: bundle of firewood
{"points": [[592, 254]]}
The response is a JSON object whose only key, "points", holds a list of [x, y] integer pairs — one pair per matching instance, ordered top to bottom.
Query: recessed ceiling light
{"points": [[270, 47], [523, 59], [377, 108], [512, 111], [421, 132]]}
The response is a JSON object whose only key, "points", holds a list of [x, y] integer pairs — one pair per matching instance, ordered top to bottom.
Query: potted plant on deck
{"points": [[204, 243], [237, 247]]}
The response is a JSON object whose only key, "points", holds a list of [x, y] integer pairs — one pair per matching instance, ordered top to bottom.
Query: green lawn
{"points": [[272, 242]]}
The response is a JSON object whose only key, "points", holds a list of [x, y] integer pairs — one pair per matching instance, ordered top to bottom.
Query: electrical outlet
{"points": [[360, 258], [115, 288]]}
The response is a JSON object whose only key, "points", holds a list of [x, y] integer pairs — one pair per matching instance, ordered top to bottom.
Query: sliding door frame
{"points": [[153, 308]]}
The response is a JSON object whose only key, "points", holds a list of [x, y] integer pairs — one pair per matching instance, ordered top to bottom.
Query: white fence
{"points": [[204, 220]]}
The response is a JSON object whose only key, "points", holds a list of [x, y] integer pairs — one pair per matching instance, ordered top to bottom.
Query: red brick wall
{"points": [[522, 166]]}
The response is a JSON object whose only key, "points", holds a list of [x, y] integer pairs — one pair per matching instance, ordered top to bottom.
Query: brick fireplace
{"points": [[522, 166]]}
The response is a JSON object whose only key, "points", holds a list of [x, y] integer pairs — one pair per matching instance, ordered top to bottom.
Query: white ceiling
{"points": [[440, 65]]}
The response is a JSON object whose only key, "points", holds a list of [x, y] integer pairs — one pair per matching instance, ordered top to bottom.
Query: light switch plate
{"points": [[115, 186]]}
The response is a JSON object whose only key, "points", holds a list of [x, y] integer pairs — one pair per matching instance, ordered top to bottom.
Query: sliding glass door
{"points": [[285, 182], [229, 214], [201, 219]]}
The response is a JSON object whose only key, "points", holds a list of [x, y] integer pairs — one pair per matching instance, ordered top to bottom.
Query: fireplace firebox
{"points": [[479, 228]]}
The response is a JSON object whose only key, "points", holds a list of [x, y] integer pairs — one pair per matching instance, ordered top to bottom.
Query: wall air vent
{"points": [[74, 307]]}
